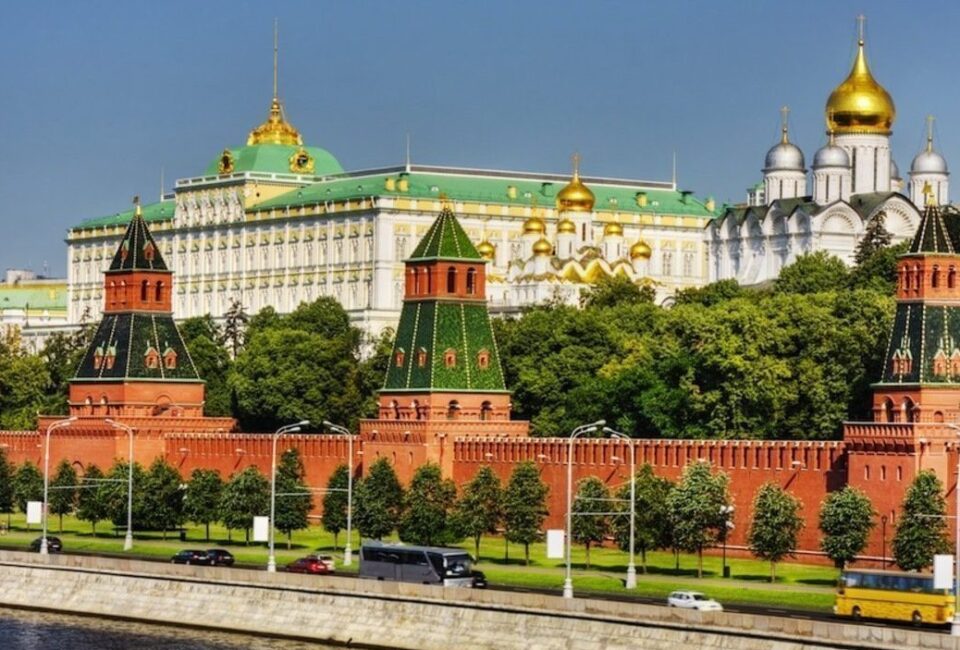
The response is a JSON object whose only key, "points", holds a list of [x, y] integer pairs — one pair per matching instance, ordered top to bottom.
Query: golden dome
{"points": [[860, 104], [276, 130], [575, 196], [534, 226], [566, 226], [613, 229], [542, 247], [486, 250], [640, 250]]}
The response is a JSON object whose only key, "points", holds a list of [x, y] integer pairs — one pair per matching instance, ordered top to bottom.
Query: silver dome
{"points": [[784, 156], [831, 156], [928, 162], [894, 170]]}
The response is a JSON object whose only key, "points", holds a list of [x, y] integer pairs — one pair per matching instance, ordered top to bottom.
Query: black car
{"points": [[54, 545], [191, 557], [220, 557], [479, 580]]}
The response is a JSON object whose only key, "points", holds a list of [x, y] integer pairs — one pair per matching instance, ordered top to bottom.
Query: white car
{"points": [[693, 600]]}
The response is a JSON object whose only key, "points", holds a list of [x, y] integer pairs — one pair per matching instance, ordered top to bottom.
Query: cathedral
{"points": [[855, 180]]}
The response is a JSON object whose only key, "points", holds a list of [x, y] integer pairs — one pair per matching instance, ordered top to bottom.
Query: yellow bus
{"points": [[893, 596]]}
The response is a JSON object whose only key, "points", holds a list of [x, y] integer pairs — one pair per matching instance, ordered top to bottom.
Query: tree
{"points": [[875, 238], [878, 271], [813, 273], [611, 291], [710, 294], [235, 327], [213, 364], [24, 385], [7, 471], [27, 485], [63, 491], [116, 491], [245, 496], [163, 497], [294, 500], [91, 501], [379, 501], [428, 503], [201, 504], [525, 506], [480, 508], [696, 509], [334, 517], [846, 518], [776, 525], [652, 528], [922, 528], [587, 529]]}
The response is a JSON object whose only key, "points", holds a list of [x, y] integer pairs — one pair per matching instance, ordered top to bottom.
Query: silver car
{"points": [[693, 600]]}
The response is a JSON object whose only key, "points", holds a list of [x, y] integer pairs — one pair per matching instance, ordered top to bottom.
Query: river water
{"points": [[23, 630]]}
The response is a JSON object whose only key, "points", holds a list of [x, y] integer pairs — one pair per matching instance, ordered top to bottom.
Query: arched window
{"points": [[935, 277], [952, 277], [917, 278], [452, 280], [471, 281], [417, 289], [144, 291], [159, 291], [123, 292], [421, 357], [398, 358], [450, 358], [483, 359], [415, 405], [396, 409], [453, 410], [887, 410], [909, 410], [486, 411], [938, 416]]}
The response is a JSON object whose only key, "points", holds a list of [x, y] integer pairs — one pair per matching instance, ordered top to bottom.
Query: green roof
{"points": [[275, 159], [466, 185], [160, 211], [932, 235], [446, 239], [137, 250], [50, 297]]}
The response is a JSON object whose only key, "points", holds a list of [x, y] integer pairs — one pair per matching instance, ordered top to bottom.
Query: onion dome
{"points": [[860, 104], [276, 130], [830, 155], [784, 156], [929, 161], [894, 170], [575, 196], [534, 226], [566, 226], [613, 229], [542, 247], [486, 250], [640, 250]]}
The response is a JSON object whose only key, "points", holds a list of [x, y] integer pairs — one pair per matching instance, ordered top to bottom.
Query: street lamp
{"points": [[53, 426], [290, 428], [576, 433], [726, 512], [128, 539], [883, 541], [347, 549], [631, 582], [955, 626]]}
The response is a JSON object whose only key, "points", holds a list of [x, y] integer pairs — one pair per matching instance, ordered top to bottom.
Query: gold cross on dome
{"points": [[861, 23], [576, 162]]}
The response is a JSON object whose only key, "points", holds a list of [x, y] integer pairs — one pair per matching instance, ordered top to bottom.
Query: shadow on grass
{"points": [[818, 582]]}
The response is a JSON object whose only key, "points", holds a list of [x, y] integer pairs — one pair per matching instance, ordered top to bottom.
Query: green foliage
{"points": [[875, 238], [878, 271], [813, 273], [611, 291], [710, 294], [197, 326], [235, 327], [61, 355], [212, 359], [24, 385], [7, 471], [27, 485], [63, 491], [115, 495], [245, 496], [592, 496], [163, 497], [294, 499], [379, 501], [335, 502], [201, 503], [428, 503], [92, 504], [525, 506], [480, 508], [696, 509], [846, 518], [776, 525], [922, 526], [652, 529]]}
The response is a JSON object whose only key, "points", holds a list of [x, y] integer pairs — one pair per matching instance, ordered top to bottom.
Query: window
{"points": [[935, 277], [952, 278], [451, 280], [471, 281], [144, 291], [159, 291], [398, 358], [421, 358], [450, 358], [483, 359], [453, 410], [486, 410], [866, 472]]}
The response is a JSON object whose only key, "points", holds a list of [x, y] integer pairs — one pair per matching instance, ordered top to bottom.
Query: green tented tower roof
{"points": [[932, 235], [446, 240], [137, 250]]}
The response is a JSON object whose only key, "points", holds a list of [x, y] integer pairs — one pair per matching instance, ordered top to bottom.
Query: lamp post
{"points": [[53, 426], [290, 428], [576, 433], [726, 512], [128, 539], [883, 541], [347, 549], [631, 582], [955, 626]]}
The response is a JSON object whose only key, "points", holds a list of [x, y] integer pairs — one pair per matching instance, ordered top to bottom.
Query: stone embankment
{"points": [[410, 617]]}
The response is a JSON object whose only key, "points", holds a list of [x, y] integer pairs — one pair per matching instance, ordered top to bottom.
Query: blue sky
{"points": [[99, 96]]}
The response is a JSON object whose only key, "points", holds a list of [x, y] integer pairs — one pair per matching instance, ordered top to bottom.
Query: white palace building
{"points": [[854, 179]]}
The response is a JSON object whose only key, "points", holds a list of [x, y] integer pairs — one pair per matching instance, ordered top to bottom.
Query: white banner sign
{"points": [[34, 512], [261, 529], [555, 544], [943, 572]]}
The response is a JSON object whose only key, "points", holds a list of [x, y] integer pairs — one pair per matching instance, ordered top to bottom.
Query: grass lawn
{"points": [[798, 586]]}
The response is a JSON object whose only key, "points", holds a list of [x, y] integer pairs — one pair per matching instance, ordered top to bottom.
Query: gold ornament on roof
{"points": [[860, 104], [276, 130], [301, 162], [226, 164], [575, 196], [534, 226], [566, 226], [613, 229], [542, 247], [486, 250], [640, 250]]}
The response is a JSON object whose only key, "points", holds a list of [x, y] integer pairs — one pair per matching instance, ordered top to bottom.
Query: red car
{"points": [[316, 564]]}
